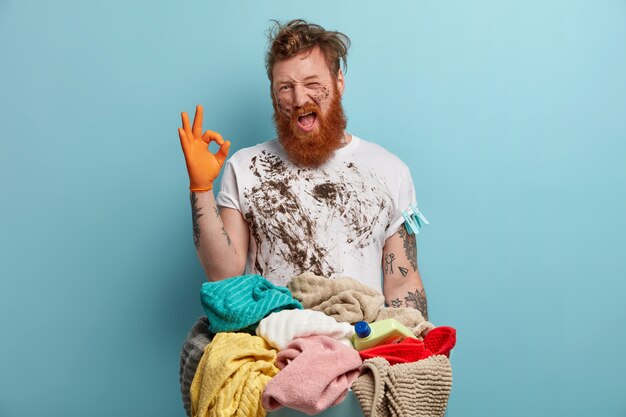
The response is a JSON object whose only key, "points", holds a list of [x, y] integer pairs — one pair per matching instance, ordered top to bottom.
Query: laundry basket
{"points": [[199, 337], [348, 408]]}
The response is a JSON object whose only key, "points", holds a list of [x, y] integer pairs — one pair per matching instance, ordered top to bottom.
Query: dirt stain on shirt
{"points": [[284, 214]]}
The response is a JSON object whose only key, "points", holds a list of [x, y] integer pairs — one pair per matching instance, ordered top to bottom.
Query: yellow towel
{"points": [[231, 376]]}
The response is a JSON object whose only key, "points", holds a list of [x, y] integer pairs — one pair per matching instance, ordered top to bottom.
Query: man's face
{"points": [[307, 108]]}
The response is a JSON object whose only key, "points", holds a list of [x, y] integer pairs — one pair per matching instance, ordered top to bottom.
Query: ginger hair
{"points": [[296, 36]]}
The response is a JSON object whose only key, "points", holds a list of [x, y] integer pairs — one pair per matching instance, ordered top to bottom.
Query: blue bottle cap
{"points": [[362, 329]]}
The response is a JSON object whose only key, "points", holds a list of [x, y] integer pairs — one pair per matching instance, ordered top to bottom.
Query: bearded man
{"points": [[316, 199]]}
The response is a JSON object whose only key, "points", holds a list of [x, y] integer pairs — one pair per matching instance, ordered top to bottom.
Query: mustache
{"points": [[307, 108], [301, 111]]}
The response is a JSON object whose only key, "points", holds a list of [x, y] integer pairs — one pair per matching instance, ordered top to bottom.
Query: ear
{"points": [[340, 82]]}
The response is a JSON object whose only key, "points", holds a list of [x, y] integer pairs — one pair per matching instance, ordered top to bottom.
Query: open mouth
{"points": [[306, 122]]}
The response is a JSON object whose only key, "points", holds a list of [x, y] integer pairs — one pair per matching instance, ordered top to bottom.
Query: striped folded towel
{"points": [[239, 303]]}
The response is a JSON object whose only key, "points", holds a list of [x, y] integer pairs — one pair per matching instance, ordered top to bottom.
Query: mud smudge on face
{"points": [[322, 95], [280, 104]]}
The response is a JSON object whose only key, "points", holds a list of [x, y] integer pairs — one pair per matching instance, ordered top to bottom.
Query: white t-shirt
{"points": [[332, 220]]}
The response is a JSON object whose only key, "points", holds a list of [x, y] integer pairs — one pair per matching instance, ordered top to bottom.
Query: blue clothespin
{"points": [[413, 219]]}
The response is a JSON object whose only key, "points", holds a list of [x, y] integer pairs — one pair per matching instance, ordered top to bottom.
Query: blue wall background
{"points": [[510, 114]]}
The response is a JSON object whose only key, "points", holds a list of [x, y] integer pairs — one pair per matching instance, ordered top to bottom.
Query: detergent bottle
{"points": [[379, 333]]}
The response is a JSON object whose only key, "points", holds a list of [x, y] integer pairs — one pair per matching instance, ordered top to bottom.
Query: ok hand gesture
{"points": [[203, 166]]}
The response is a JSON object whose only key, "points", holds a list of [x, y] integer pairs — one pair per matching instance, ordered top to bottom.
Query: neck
{"points": [[345, 139]]}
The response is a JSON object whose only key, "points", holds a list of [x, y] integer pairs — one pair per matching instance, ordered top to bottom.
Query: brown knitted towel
{"points": [[345, 299], [348, 300], [410, 317], [193, 349], [416, 389]]}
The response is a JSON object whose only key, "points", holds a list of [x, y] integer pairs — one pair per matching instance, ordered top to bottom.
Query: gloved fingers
{"points": [[197, 122], [186, 126], [210, 135], [183, 138], [222, 153]]}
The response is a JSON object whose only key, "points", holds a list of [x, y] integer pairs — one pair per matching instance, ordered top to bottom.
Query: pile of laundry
{"points": [[261, 347]]}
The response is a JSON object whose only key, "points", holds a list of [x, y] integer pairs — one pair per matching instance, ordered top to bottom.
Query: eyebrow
{"points": [[310, 77]]}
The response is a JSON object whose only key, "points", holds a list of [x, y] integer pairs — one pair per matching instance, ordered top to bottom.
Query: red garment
{"points": [[439, 341]]}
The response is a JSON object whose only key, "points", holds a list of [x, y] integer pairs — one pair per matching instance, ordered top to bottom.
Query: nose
{"points": [[300, 96]]}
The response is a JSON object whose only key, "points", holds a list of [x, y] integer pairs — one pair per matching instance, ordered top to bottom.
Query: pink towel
{"points": [[316, 373]]}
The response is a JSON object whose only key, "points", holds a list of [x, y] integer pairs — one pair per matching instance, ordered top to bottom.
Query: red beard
{"points": [[311, 149]]}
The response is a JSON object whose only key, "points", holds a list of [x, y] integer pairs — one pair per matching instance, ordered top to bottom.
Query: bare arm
{"points": [[221, 237], [402, 284]]}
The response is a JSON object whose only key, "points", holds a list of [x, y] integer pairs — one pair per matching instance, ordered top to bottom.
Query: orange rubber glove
{"points": [[203, 166]]}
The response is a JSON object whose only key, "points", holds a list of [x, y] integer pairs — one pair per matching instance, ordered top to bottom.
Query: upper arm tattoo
{"points": [[195, 215], [410, 246], [389, 258]]}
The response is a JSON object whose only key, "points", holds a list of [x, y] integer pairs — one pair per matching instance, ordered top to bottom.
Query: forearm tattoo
{"points": [[217, 213], [195, 215], [410, 246], [417, 300], [396, 303]]}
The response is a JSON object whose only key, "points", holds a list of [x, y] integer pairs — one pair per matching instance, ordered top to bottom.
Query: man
{"points": [[317, 199]]}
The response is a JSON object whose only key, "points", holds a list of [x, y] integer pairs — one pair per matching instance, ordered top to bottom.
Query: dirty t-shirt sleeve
{"points": [[228, 195], [405, 197]]}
